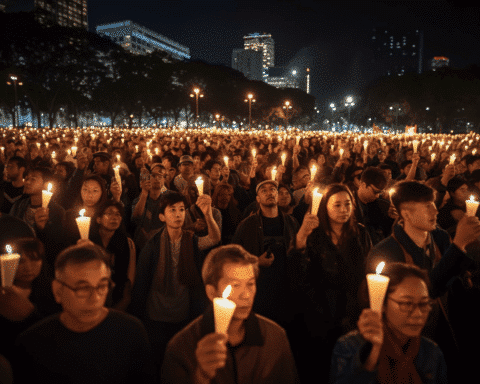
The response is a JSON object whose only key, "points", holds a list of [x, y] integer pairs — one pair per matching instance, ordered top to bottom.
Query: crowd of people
{"points": [[178, 215]]}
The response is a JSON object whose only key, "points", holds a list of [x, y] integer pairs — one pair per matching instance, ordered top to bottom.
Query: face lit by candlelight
{"points": [[91, 192], [339, 207], [420, 215]]}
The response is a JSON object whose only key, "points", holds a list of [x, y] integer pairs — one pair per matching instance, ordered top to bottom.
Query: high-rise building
{"points": [[67, 13], [140, 40], [262, 42], [396, 53], [249, 62], [439, 62]]}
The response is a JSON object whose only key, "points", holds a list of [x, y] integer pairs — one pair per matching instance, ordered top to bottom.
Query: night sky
{"points": [[328, 36]]}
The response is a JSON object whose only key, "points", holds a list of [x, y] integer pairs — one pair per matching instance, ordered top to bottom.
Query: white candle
{"points": [[298, 140], [365, 145], [415, 146], [74, 151], [341, 152], [254, 153], [433, 156], [284, 157], [118, 158], [225, 159], [452, 159], [313, 172], [274, 173], [117, 175], [199, 184], [46, 196], [316, 198], [472, 206], [83, 224], [8, 266], [377, 287], [223, 310]]}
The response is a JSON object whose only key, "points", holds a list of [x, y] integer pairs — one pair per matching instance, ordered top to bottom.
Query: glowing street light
{"points": [[196, 94], [250, 100], [349, 103], [288, 112]]}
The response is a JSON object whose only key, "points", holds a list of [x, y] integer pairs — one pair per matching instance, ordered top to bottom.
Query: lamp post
{"points": [[14, 81], [196, 94], [250, 100], [349, 103], [333, 108], [288, 109], [396, 111]]}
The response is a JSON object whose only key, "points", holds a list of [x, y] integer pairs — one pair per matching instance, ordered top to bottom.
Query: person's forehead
{"points": [[35, 175], [91, 184], [267, 188], [339, 197], [178, 205], [91, 271], [238, 271], [411, 286]]}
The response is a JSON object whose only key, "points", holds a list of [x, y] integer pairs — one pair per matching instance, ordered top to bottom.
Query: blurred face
{"points": [[382, 156], [139, 163], [99, 166], [186, 169], [12, 172], [61, 172], [215, 172], [157, 178], [301, 179], [33, 183], [91, 193], [368, 193], [461, 194], [267, 195], [223, 198], [284, 198], [339, 208], [174, 215], [420, 215], [111, 219], [28, 270], [242, 279], [86, 312], [401, 315]]}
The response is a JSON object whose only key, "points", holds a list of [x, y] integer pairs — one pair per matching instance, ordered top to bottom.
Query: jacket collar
{"points": [[407, 242], [253, 333]]}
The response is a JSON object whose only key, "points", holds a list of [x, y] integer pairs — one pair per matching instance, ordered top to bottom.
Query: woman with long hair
{"points": [[388, 347]]}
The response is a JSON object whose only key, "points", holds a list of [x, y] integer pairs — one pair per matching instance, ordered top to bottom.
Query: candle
{"points": [[298, 140], [38, 145], [365, 145], [415, 146], [74, 151], [474, 151], [341, 152], [254, 153], [54, 155], [284, 157], [118, 158], [225, 159], [452, 159], [313, 172], [274, 173], [117, 175], [199, 184], [390, 192], [46, 196], [316, 198], [472, 206], [83, 224], [8, 266], [377, 287], [223, 310]]}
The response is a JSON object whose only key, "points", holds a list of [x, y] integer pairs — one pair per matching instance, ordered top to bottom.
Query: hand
{"points": [[296, 150], [415, 158], [82, 160], [281, 170], [447, 174], [146, 186], [116, 190], [309, 192], [204, 202], [392, 212], [41, 217], [310, 222], [200, 225], [468, 230], [85, 242], [264, 261], [13, 305], [370, 326], [211, 354]]}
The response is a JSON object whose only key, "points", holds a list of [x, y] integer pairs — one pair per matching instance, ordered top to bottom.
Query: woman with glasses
{"points": [[111, 235], [388, 347]]}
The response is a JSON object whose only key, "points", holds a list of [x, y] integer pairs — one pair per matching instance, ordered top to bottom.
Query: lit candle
{"points": [[298, 140], [38, 145], [365, 145], [415, 146], [74, 151], [474, 151], [341, 152], [254, 153], [433, 155], [284, 157], [118, 158], [225, 159], [452, 159], [313, 172], [274, 173], [117, 175], [199, 184], [390, 192], [46, 195], [316, 198], [472, 206], [83, 224], [8, 266], [377, 287], [223, 310]]}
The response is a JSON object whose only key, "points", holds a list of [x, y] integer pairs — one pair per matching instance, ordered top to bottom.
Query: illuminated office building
{"points": [[140, 40], [262, 42], [439, 62]]}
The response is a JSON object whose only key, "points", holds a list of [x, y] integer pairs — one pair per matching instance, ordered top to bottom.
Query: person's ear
{"points": [[258, 199], [161, 216], [98, 219], [57, 290], [211, 292]]}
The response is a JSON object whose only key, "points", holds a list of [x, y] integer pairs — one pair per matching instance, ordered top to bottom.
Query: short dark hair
{"points": [[20, 161], [210, 163], [404, 163], [47, 174], [374, 176], [411, 191], [170, 198], [111, 203], [30, 247], [80, 254], [212, 269], [397, 272]]}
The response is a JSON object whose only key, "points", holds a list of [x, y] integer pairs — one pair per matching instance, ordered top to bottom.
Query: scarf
{"points": [[187, 273], [396, 361]]}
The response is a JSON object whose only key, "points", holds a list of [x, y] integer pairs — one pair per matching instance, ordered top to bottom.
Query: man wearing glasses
{"points": [[145, 208], [86, 342]]}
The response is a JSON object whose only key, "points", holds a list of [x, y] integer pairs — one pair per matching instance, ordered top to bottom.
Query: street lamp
{"points": [[14, 80], [196, 94], [250, 100], [349, 104], [333, 108], [288, 109], [396, 112]]}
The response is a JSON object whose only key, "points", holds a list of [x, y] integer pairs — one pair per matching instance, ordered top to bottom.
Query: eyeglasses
{"points": [[86, 291], [409, 306]]}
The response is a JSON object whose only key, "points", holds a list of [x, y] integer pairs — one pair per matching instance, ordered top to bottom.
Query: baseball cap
{"points": [[185, 159], [266, 182]]}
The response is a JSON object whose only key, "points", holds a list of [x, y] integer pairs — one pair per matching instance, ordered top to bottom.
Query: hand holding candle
{"points": [[415, 146], [117, 175], [199, 184], [46, 196], [472, 206], [83, 224], [8, 266], [377, 288], [223, 310]]}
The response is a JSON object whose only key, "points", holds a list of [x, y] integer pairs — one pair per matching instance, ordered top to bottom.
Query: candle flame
{"points": [[199, 179], [49, 187], [472, 198], [82, 212], [8, 247], [380, 268], [227, 292]]}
